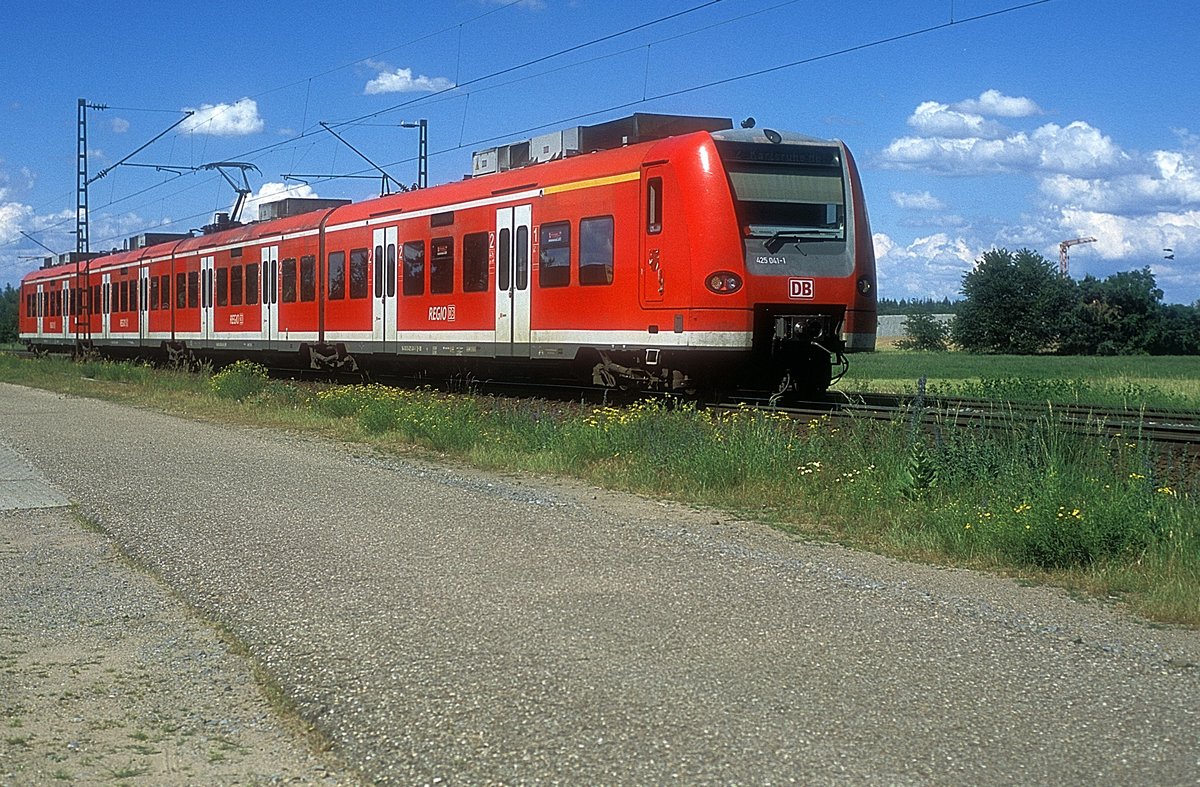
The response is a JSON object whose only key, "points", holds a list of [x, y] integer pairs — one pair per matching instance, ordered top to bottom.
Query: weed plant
{"points": [[239, 381]]}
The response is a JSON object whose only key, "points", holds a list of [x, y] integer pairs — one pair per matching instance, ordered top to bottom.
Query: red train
{"points": [[653, 252]]}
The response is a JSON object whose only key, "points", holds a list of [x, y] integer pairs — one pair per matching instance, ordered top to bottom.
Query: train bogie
{"points": [[673, 262]]}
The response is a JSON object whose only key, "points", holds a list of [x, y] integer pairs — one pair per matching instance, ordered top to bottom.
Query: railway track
{"points": [[1159, 426], [1168, 427]]}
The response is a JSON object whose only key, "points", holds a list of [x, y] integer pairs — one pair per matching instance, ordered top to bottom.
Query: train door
{"points": [[651, 276], [512, 280], [270, 292], [206, 298], [64, 302], [143, 304], [105, 305], [39, 309], [386, 311]]}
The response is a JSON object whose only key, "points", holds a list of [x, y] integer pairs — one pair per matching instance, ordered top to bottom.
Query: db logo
{"points": [[801, 288]]}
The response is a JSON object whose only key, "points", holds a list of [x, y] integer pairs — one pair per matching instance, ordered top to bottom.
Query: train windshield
{"points": [[786, 192], [776, 201]]}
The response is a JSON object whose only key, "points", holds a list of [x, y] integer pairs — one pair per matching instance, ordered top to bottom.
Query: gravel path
{"points": [[442, 624], [105, 677]]}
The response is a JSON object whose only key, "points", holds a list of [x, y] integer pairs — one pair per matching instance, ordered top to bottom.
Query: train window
{"points": [[654, 195], [444, 219], [596, 250], [235, 253], [554, 255], [522, 258], [475, 262], [504, 262], [441, 265], [414, 267], [391, 270], [379, 271], [358, 273], [337, 275], [308, 278], [289, 280], [271, 282], [251, 283], [235, 285], [222, 286], [193, 289], [180, 290], [154, 293], [164, 293], [133, 295], [123, 296], [96, 298], [29, 305]]}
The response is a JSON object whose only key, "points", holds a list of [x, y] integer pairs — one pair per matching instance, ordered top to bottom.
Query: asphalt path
{"points": [[444, 624]]}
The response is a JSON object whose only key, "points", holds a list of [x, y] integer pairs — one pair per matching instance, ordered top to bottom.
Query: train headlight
{"points": [[724, 282], [864, 284]]}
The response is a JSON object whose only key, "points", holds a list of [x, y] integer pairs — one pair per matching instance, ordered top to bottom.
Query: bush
{"points": [[926, 333], [239, 380]]}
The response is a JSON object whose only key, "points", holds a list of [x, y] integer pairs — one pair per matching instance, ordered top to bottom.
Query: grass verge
{"points": [[1101, 515]]}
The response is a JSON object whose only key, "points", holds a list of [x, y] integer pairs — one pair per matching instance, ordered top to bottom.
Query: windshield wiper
{"points": [[776, 241]]}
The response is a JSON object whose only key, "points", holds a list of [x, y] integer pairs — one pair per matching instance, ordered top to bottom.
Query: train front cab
{"points": [[807, 255]]}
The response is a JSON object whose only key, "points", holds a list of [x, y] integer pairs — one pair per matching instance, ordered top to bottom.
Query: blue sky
{"points": [[1023, 128]]}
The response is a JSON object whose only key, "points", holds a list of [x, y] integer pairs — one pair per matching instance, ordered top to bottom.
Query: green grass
{"points": [[1122, 381], [1033, 500]]}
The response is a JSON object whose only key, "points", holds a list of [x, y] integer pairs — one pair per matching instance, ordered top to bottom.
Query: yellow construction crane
{"points": [[1064, 262]]}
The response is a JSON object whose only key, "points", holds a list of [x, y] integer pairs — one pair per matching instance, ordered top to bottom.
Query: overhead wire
{"points": [[480, 87]]}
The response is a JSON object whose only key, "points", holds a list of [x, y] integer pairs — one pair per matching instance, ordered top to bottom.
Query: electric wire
{"points": [[477, 81]]}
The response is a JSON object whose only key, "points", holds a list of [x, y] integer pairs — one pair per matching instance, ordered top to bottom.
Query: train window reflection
{"points": [[596, 250], [554, 255], [475, 262]]}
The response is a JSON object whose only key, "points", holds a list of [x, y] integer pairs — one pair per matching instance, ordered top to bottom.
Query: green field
{"points": [[1120, 381]]}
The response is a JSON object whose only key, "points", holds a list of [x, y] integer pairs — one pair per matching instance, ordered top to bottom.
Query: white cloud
{"points": [[401, 80], [993, 102], [224, 120], [938, 120], [120, 125], [1077, 149], [960, 156], [1170, 181], [272, 192], [921, 200], [14, 217], [929, 267]]}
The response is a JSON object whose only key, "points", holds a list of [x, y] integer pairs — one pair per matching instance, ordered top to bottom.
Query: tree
{"points": [[10, 302], [1013, 303], [1120, 315], [925, 332], [1177, 332]]}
